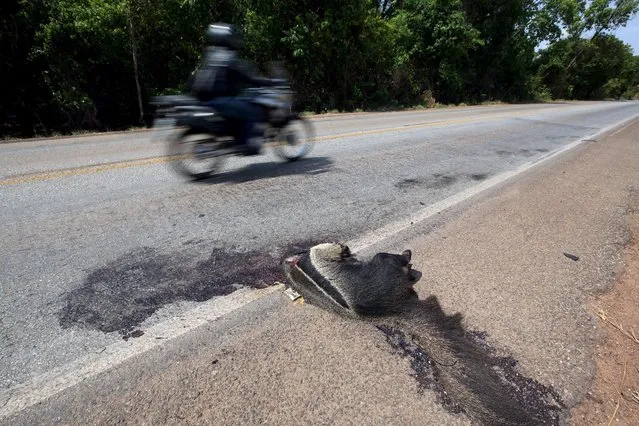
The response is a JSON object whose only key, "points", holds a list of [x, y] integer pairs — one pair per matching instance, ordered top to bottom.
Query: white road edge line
{"points": [[622, 128], [387, 231], [40, 388]]}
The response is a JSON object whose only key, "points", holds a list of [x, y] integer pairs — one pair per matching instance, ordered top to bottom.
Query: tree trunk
{"points": [[595, 35], [134, 54]]}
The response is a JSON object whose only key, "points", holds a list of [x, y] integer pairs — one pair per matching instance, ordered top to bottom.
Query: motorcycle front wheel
{"points": [[295, 140], [195, 155]]}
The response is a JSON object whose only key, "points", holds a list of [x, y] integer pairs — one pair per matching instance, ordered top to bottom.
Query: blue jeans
{"points": [[244, 114]]}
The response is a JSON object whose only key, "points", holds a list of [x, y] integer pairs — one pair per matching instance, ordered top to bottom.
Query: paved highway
{"points": [[101, 242]]}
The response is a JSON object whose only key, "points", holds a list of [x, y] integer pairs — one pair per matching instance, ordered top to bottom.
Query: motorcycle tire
{"points": [[295, 140], [191, 152]]}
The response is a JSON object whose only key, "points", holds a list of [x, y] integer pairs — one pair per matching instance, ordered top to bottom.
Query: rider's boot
{"points": [[253, 145]]}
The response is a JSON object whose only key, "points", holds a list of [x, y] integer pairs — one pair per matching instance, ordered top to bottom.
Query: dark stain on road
{"points": [[522, 152], [479, 176], [436, 181], [442, 181], [408, 183], [122, 294], [131, 334], [422, 365], [512, 399]]}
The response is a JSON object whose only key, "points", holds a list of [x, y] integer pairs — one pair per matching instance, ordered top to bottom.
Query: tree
{"points": [[574, 18], [438, 43], [337, 52], [107, 57], [96, 63], [503, 63], [605, 68], [24, 108]]}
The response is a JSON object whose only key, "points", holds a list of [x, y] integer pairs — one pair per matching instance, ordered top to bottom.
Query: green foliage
{"points": [[576, 17], [85, 40], [437, 43], [339, 53], [95, 63], [607, 68], [629, 80], [24, 107]]}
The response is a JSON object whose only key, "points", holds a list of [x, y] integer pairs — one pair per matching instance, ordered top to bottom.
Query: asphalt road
{"points": [[102, 242]]}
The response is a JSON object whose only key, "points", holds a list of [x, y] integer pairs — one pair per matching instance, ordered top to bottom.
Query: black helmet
{"points": [[226, 35]]}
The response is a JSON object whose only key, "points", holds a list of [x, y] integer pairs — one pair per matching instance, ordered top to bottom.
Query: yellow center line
{"points": [[392, 129], [99, 168], [84, 170]]}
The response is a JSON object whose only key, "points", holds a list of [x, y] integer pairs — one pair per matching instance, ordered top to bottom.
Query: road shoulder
{"points": [[524, 263], [614, 393]]}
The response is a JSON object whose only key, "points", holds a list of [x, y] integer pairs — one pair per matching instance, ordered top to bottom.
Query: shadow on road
{"points": [[272, 169]]}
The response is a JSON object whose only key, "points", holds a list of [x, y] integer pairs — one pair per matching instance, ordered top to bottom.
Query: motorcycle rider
{"points": [[220, 80]]}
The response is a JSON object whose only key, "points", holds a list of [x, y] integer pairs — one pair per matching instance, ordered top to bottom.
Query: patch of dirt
{"points": [[614, 396]]}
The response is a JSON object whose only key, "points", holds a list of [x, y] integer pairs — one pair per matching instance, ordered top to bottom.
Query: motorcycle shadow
{"points": [[271, 169]]}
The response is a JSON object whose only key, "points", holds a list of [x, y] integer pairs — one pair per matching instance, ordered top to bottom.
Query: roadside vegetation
{"points": [[73, 65]]}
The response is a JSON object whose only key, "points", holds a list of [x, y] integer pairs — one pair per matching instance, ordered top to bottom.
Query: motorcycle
{"points": [[200, 140]]}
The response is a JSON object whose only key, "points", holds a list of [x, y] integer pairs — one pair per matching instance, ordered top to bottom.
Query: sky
{"points": [[630, 34]]}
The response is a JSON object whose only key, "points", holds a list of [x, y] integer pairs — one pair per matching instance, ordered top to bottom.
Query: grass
{"points": [[399, 108], [74, 133], [603, 315], [623, 378], [631, 395]]}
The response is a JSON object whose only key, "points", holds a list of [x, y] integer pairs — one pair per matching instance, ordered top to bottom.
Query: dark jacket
{"points": [[223, 74]]}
